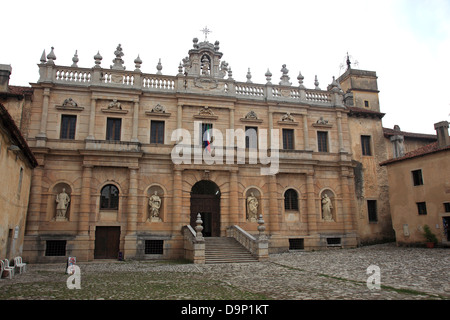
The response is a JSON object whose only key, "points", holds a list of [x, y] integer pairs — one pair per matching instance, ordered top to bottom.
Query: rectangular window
{"points": [[366, 103], [68, 124], [113, 128], [157, 132], [251, 137], [288, 139], [322, 141], [365, 145], [417, 177], [447, 206], [422, 208], [372, 210], [154, 246], [55, 248]]}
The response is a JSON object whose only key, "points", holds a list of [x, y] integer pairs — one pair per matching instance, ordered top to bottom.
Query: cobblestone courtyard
{"points": [[338, 274]]}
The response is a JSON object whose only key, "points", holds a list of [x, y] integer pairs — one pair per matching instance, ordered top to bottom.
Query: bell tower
{"points": [[360, 87]]}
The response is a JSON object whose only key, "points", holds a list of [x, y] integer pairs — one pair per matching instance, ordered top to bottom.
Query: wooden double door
{"points": [[209, 208], [107, 240]]}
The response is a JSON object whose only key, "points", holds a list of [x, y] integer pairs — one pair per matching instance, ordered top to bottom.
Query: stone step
{"points": [[226, 250]]}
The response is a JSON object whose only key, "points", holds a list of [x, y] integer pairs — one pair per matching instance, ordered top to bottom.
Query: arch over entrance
{"points": [[205, 199]]}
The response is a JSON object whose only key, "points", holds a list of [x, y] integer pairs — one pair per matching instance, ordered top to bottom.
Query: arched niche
{"points": [[61, 202], [155, 203], [252, 204], [327, 205]]}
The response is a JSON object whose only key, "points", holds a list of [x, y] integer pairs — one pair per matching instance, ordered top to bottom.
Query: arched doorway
{"points": [[205, 199]]}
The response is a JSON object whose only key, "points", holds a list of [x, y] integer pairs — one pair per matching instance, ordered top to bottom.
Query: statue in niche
{"points": [[205, 66], [69, 102], [115, 105], [62, 204], [155, 206], [252, 207], [326, 208]]}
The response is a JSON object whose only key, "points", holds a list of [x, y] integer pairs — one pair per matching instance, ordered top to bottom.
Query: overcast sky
{"points": [[407, 42]]}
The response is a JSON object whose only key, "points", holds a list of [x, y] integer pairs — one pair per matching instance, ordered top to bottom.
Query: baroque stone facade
{"points": [[112, 139]]}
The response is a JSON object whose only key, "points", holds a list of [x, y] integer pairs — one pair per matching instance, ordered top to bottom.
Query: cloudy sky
{"points": [[407, 42]]}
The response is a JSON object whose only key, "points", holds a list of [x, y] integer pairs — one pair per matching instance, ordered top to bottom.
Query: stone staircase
{"points": [[226, 250]]}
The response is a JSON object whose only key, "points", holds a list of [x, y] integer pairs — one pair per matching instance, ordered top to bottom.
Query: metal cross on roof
{"points": [[205, 30]]}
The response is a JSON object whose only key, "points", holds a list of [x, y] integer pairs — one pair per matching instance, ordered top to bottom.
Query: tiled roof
{"points": [[364, 112], [391, 132], [425, 150]]}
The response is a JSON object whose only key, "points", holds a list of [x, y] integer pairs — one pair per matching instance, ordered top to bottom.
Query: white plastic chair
{"points": [[18, 263], [6, 267]]}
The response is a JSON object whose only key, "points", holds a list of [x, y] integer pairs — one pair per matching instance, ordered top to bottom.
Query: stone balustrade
{"points": [[181, 83]]}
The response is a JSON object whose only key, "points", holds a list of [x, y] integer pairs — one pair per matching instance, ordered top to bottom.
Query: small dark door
{"points": [[209, 208], [107, 241]]}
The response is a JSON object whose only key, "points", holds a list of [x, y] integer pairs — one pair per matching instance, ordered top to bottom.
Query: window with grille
{"points": [[68, 124], [113, 128], [157, 132], [288, 139], [322, 141], [365, 146], [417, 177], [109, 197], [291, 200], [447, 206], [422, 208], [372, 210], [333, 241], [296, 244], [154, 246], [55, 248]]}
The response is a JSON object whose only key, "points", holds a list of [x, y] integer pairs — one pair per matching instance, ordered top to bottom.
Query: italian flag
{"points": [[208, 138]]}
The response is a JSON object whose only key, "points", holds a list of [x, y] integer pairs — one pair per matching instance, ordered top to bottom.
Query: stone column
{"points": [[179, 116], [339, 127], [305, 132], [91, 135], [42, 136], [134, 137], [269, 138], [234, 198], [177, 199], [85, 201], [132, 202], [311, 204], [34, 207], [274, 212]]}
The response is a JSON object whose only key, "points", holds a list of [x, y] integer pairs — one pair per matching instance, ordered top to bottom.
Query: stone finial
{"points": [[195, 41], [216, 46], [51, 57], [43, 58], [75, 59], [98, 59], [118, 61], [137, 64], [159, 67], [180, 69], [230, 73], [249, 76], [268, 76], [284, 77], [300, 78], [316, 83], [199, 227]]}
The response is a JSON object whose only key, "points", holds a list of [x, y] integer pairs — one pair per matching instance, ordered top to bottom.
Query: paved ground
{"points": [[338, 274]]}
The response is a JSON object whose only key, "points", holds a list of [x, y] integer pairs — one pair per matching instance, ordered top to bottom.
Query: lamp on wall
{"points": [[13, 148]]}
